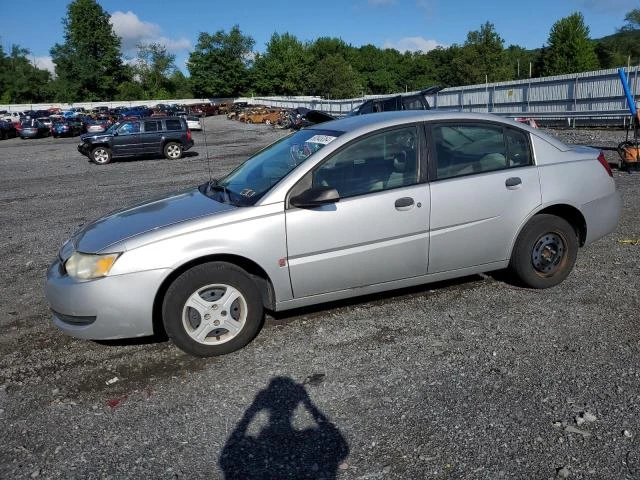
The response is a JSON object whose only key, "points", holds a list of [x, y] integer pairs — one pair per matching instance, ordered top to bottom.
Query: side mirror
{"points": [[315, 197]]}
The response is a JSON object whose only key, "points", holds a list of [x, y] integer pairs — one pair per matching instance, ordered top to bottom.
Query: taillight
{"points": [[188, 134], [605, 164]]}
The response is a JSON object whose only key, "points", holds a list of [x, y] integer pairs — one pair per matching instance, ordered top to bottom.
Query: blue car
{"points": [[67, 128]]}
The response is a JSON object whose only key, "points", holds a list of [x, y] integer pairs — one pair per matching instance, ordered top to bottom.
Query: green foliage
{"points": [[632, 20], [624, 46], [570, 50], [482, 57], [88, 63], [219, 65], [283, 68], [153, 69], [334, 77], [20, 81], [180, 85], [130, 90]]}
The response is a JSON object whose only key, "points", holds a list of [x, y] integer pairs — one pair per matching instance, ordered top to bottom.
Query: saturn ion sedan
{"points": [[344, 208]]}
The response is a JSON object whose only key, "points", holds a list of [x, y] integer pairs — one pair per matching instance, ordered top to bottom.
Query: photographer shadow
{"points": [[279, 450]]}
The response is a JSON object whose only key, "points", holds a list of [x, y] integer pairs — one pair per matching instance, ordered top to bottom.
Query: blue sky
{"points": [[401, 24]]}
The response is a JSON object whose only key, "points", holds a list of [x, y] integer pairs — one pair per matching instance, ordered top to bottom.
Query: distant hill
{"points": [[614, 50]]}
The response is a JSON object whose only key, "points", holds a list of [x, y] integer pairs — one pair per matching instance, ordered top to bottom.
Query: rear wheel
{"points": [[172, 151], [101, 155], [545, 252], [212, 309]]}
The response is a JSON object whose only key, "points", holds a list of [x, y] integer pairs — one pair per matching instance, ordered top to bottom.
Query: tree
{"points": [[632, 20], [570, 50], [482, 57], [88, 63], [219, 65], [154, 67], [283, 68], [334, 77], [20, 81], [180, 85]]}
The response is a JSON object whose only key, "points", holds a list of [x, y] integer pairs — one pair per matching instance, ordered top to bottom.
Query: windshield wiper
{"points": [[213, 186]]}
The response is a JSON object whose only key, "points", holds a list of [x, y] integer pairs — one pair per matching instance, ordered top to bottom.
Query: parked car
{"points": [[397, 102], [203, 109], [263, 116], [13, 117], [46, 121], [194, 123], [99, 125], [69, 127], [33, 129], [7, 130], [168, 136], [349, 207]]}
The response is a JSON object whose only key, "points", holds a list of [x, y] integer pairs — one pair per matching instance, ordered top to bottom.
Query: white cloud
{"points": [[379, 3], [610, 6], [134, 31], [412, 44], [45, 63]]}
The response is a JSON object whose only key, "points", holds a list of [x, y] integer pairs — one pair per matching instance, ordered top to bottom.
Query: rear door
{"points": [[151, 136], [127, 140], [484, 184], [377, 232]]}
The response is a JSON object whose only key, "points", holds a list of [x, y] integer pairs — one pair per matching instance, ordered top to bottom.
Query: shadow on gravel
{"points": [[142, 158], [462, 283], [279, 450]]}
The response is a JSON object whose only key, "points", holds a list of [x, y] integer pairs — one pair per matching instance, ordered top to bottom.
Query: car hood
{"points": [[94, 136], [145, 217]]}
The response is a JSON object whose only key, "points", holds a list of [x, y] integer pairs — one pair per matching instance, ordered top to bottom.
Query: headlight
{"points": [[85, 266]]}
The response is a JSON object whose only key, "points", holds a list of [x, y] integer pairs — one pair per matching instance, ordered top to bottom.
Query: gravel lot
{"points": [[473, 378]]}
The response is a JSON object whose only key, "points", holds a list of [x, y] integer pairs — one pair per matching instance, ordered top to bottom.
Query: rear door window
{"points": [[173, 124], [151, 126], [467, 148]]}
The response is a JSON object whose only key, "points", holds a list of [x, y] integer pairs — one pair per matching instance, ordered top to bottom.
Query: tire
{"points": [[172, 151], [101, 155], [545, 252], [226, 295]]}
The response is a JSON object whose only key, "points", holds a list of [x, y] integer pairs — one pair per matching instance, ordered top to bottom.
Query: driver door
{"points": [[127, 141], [378, 230]]}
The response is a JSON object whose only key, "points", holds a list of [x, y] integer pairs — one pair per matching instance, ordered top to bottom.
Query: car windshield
{"points": [[113, 127], [249, 182]]}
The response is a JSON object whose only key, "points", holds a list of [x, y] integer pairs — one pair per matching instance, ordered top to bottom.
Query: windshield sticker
{"points": [[322, 139], [247, 192]]}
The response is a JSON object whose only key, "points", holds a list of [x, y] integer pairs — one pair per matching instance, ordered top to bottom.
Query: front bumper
{"points": [[83, 148], [112, 307]]}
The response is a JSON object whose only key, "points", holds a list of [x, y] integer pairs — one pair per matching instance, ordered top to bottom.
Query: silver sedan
{"points": [[345, 208]]}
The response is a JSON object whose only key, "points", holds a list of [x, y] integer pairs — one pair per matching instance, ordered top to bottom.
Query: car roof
{"points": [[361, 124]]}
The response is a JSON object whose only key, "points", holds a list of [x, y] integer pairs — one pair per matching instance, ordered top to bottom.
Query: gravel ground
{"points": [[476, 379]]}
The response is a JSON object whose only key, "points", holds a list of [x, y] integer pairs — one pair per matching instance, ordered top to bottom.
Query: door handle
{"points": [[513, 183], [404, 203]]}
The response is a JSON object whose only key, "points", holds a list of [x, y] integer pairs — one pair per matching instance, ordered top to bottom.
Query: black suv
{"points": [[414, 101], [168, 136]]}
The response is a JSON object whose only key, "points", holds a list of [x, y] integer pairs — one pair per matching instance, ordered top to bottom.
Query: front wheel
{"points": [[172, 151], [101, 155], [545, 252], [212, 309]]}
